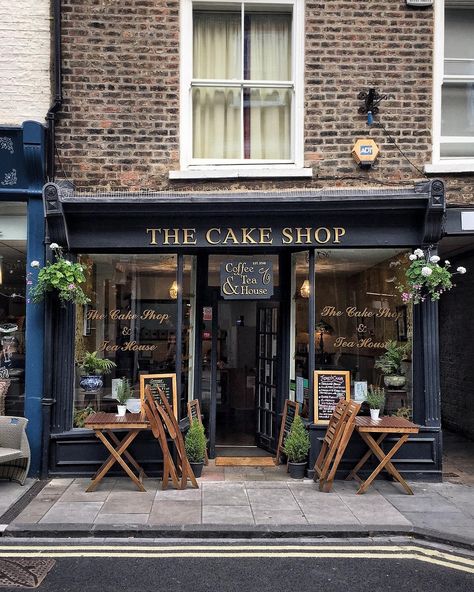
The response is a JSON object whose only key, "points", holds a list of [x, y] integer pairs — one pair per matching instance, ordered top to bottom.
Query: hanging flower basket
{"points": [[62, 277], [427, 277]]}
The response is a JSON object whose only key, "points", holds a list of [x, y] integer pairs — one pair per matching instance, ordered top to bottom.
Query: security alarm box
{"points": [[420, 3], [365, 152]]}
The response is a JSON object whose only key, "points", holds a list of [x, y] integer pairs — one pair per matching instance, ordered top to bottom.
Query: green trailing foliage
{"points": [[62, 277], [390, 362], [91, 364], [195, 442], [297, 443]]}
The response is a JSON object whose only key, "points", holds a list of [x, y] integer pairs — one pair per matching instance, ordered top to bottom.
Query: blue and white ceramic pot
{"points": [[90, 383]]}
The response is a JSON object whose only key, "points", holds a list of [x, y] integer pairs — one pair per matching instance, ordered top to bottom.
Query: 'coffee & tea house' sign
{"points": [[246, 278]]}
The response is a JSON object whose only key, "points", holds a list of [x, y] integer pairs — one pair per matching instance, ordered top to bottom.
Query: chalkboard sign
{"points": [[165, 382], [329, 387], [290, 411]]}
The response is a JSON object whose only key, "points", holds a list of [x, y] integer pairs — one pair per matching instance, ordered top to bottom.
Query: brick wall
{"points": [[24, 61], [119, 124], [457, 351]]}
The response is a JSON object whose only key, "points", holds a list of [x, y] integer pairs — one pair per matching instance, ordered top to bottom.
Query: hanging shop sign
{"points": [[246, 278], [330, 386]]}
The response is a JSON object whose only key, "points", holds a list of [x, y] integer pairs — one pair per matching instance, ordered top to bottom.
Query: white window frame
{"points": [[443, 164], [201, 168]]}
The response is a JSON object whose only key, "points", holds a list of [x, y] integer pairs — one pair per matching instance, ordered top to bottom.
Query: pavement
{"points": [[254, 502]]}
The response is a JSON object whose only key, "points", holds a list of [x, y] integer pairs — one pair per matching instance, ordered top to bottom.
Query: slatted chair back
{"points": [[165, 411], [158, 431], [341, 440], [330, 441]]}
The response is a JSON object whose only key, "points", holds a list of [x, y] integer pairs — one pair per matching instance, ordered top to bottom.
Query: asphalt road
{"points": [[256, 566]]}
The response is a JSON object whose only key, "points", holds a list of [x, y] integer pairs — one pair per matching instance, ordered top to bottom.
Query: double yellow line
{"points": [[229, 551]]}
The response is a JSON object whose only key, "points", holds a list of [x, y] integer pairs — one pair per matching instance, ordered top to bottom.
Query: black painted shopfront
{"points": [[243, 296]]}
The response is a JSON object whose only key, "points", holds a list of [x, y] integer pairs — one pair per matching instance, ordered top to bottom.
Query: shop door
{"points": [[267, 374]]}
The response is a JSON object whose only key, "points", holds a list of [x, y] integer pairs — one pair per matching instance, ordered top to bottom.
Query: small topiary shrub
{"points": [[195, 442], [297, 442]]}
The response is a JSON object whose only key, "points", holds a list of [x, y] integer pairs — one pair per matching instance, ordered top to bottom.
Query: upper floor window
{"points": [[454, 83], [240, 90]]}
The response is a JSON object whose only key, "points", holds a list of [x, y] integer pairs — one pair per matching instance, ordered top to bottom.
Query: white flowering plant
{"points": [[63, 277], [427, 277]]}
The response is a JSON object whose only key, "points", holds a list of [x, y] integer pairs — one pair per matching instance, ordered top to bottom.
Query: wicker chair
{"points": [[14, 449]]}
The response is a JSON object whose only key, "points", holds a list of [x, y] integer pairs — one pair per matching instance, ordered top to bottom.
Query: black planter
{"points": [[197, 468], [297, 470]]}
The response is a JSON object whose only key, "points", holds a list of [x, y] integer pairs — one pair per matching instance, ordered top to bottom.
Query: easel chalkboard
{"points": [[166, 382], [330, 386], [290, 411], [194, 412]]}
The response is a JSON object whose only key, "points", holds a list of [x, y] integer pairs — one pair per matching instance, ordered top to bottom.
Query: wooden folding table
{"points": [[104, 426], [385, 426]]}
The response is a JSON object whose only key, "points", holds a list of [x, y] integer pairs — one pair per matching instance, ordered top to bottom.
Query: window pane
{"points": [[459, 27], [217, 45], [270, 46], [457, 102], [216, 122], [269, 123], [457, 150], [12, 308], [359, 313], [131, 320]]}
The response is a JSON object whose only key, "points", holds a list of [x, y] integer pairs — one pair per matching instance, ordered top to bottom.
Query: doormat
{"points": [[245, 461], [24, 573]]}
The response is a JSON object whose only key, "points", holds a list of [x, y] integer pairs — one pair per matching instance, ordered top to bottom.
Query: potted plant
{"points": [[62, 277], [390, 364], [93, 369], [123, 394], [376, 400], [80, 416], [195, 445], [296, 448]]}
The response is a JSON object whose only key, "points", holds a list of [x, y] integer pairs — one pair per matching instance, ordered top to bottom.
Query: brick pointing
{"points": [[24, 61], [119, 125]]}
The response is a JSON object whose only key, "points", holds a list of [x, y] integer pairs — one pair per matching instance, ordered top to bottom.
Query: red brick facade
{"points": [[119, 125]]}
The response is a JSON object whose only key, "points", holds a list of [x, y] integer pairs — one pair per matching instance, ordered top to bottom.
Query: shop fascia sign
{"points": [[245, 236]]}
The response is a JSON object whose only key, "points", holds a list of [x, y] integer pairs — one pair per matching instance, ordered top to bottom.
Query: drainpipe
{"points": [[58, 96]]}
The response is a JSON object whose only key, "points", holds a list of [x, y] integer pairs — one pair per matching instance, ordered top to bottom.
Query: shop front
{"points": [[245, 298]]}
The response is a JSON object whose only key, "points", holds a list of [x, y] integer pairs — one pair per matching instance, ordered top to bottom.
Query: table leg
{"points": [[127, 454], [115, 456], [363, 460], [384, 462]]}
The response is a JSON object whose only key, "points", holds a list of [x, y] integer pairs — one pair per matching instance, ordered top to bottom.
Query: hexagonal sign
{"points": [[365, 152]]}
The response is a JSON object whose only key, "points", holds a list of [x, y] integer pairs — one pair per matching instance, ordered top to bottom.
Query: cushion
{"points": [[7, 454]]}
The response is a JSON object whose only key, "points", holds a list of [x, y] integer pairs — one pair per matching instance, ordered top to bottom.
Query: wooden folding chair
{"points": [[194, 412], [166, 413], [340, 428], [158, 430]]}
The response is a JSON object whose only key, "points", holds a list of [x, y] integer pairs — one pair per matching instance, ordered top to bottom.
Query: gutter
{"points": [[58, 97]]}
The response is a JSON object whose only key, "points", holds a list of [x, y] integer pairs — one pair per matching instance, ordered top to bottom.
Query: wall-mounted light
{"points": [[305, 289], [173, 291]]}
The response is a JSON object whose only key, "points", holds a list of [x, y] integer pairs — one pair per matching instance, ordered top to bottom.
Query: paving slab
{"points": [[224, 494], [275, 499], [72, 512], [175, 513], [227, 515], [268, 516], [120, 519]]}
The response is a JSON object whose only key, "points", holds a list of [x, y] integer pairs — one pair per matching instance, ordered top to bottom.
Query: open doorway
{"points": [[240, 371]]}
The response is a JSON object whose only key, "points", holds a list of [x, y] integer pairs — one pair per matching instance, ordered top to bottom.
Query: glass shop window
{"points": [[12, 308], [131, 321], [362, 324]]}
